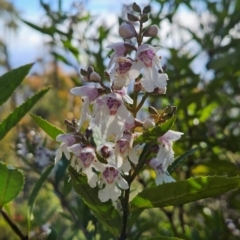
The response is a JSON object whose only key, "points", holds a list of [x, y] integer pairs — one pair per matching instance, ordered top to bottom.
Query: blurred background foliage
{"points": [[200, 48]]}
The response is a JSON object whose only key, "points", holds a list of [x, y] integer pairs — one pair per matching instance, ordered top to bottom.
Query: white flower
{"points": [[120, 50], [147, 59], [122, 73], [88, 94], [111, 115], [67, 140], [123, 148], [165, 154], [84, 160], [162, 176], [112, 179]]}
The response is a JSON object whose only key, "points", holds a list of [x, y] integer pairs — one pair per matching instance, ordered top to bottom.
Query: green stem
{"points": [[145, 96], [142, 161], [125, 209], [14, 226]]}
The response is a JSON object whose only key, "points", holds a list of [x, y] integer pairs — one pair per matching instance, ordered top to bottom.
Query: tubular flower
{"points": [[120, 50], [147, 60], [122, 73], [88, 94], [111, 115], [67, 141], [165, 154], [84, 160], [162, 176], [112, 179]]}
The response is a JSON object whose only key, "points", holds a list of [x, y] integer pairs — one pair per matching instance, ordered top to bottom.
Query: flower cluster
{"points": [[104, 149]]}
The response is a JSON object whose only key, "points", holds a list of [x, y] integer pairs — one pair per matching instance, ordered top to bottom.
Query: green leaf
{"points": [[136, 7], [47, 30], [11, 80], [19, 112], [49, 128], [154, 133], [181, 159], [11, 183], [35, 191], [177, 193], [104, 211], [52, 235], [163, 238]]}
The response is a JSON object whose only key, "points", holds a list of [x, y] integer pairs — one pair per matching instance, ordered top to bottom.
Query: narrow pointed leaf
{"points": [[47, 30], [11, 80], [19, 112], [49, 128], [154, 133], [181, 159], [11, 183], [35, 192], [177, 193], [104, 211]]}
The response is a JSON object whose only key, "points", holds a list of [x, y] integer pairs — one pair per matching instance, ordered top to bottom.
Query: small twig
{"points": [[14, 227]]}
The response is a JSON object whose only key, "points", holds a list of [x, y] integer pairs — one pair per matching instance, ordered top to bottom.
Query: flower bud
{"points": [[127, 31], [152, 31], [95, 77], [149, 123]]}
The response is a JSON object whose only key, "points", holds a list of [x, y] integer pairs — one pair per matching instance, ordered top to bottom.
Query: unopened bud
{"points": [[132, 17], [127, 31], [152, 31], [90, 69], [107, 75], [95, 77], [138, 123], [149, 123]]}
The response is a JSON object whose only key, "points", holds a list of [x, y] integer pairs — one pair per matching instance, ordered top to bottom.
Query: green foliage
{"points": [[11, 80], [9, 122], [49, 128], [152, 134], [180, 160], [11, 183], [35, 192], [177, 193], [105, 212]]}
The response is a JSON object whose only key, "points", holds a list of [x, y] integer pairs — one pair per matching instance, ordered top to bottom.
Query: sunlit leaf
{"points": [[11, 80], [19, 113], [49, 128], [154, 133], [180, 160], [11, 183], [35, 192], [177, 193], [104, 211]]}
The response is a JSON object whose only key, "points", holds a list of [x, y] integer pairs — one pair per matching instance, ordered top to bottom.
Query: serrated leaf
{"points": [[136, 7], [11, 80], [19, 113], [47, 127], [154, 133], [181, 159], [11, 183], [35, 192], [177, 193], [104, 211], [163, 238]]}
